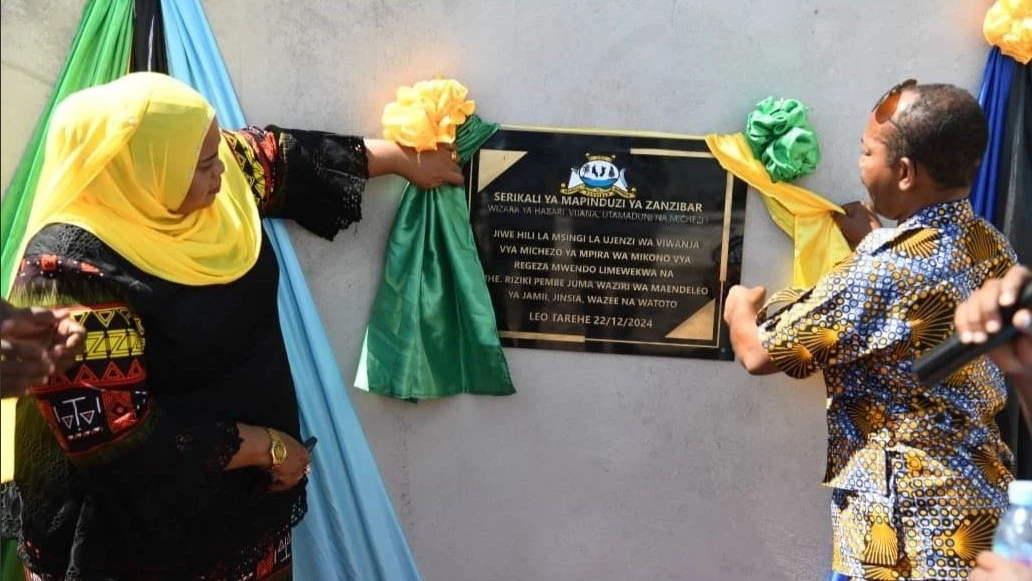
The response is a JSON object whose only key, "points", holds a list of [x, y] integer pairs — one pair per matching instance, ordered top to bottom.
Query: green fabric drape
{"points": [[99, 53], [432, 332], [11, 566]]}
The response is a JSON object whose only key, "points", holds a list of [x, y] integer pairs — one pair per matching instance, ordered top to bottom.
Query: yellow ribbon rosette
{"points": [[1008, 25], [426, 114]]}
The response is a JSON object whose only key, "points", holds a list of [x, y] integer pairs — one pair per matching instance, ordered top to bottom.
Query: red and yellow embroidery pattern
{"points": [[104, 394]]}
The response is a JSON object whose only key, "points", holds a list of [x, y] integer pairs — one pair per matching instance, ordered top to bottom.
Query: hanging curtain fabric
{"points": [[149, 38], [99, 53], [993, 97], [1014, 176], [1002, 192], [1013, 206], [432, 332], [351, 532], [10, 565]]}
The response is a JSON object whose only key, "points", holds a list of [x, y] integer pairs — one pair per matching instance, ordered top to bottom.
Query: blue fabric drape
{"points": [[993, 97], [351, 532]]}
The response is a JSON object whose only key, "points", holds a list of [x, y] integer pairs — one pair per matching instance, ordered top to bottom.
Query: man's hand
{"points": [[858, 221], [742, 299], [740, 310], [979, 316], [28, 323], [69, 341], [35, 343], [22, 365], [992, 567]]}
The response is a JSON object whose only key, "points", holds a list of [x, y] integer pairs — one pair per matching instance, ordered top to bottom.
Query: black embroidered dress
{"points": [[120, 462]]}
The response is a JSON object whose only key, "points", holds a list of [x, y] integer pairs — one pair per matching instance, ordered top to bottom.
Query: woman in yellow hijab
{"points": [[170, 449]]}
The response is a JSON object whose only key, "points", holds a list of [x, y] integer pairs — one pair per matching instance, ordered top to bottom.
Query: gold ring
{"points": [[454, 156]]}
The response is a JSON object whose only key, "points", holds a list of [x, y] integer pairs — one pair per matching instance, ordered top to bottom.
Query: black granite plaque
{"points": [[607, 242]]}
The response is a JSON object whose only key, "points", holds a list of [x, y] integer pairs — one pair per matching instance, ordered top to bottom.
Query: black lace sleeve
{"points": [[314, 178], [100, 411], [116, 475]]}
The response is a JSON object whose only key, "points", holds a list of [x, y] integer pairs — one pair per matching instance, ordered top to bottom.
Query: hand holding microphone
{"points": [[996, 319]]}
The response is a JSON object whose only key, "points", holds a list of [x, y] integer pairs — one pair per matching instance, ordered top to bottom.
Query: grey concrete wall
{"points": [[611, 468]]}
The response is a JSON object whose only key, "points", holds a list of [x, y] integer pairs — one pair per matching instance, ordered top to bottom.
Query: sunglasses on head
{"points": [[885, 108]]}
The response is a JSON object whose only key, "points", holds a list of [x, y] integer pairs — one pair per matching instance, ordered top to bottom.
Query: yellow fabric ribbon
{"points": [[1008, 25], [121, 156], [805, 216]]}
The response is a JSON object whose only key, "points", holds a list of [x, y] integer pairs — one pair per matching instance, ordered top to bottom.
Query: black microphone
{"points": [[950, 355]]}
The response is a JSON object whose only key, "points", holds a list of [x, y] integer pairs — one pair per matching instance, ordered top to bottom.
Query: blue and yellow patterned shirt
{"points": [[865, 323]]}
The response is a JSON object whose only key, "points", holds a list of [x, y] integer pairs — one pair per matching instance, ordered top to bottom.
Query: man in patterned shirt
{"points": [[918, 472]]}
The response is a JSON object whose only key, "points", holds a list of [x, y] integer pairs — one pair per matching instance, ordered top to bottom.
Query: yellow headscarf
{"points": [[121, 156]]}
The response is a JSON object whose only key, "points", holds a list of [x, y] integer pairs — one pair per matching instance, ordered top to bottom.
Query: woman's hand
{"points": [[432, 169], [427, 170], [255, 452]]}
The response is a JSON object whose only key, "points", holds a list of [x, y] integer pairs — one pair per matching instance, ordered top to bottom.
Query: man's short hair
{"points": [[943, 129]]}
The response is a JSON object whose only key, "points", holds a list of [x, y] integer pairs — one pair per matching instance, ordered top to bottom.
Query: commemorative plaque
{"points": [[607, 242]]}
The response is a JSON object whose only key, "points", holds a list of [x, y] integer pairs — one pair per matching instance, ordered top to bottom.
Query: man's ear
{"points": [[906, 174]]}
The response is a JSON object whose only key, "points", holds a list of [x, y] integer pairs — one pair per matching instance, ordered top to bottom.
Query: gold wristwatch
{"points": [[277, 449]]}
